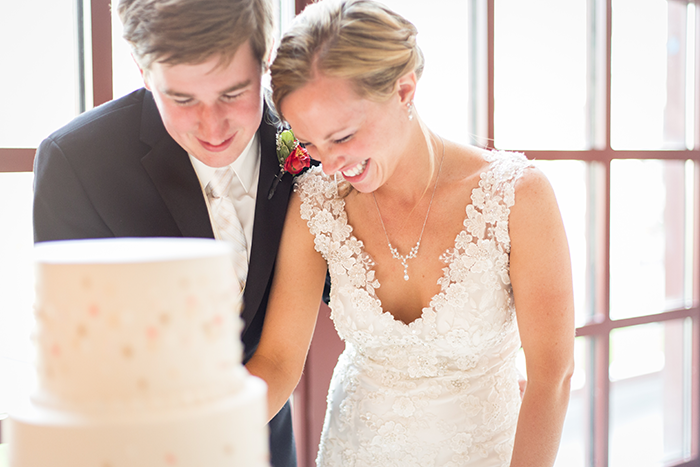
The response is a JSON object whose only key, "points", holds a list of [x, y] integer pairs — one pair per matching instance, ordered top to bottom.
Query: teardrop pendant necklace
{"points": [[414, 251]]}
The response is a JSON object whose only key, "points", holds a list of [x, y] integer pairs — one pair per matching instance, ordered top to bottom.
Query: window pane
{"points": [[39, 70], [125, 74], [540, 74], [648, 74], [443, 95], [570, 182], [651, 248], [16, 286], [650, 394], [575, 437]]}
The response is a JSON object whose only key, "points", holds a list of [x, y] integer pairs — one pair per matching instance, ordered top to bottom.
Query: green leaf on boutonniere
{"points": [[285, 145]]}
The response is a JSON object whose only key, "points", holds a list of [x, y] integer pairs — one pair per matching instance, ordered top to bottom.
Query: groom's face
{"points": [[211, 110]]}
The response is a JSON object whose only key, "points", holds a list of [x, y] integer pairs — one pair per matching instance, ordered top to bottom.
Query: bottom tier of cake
{"points": [[228, 432]]}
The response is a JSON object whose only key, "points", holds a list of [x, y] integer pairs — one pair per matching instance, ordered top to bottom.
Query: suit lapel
{"points": [[172, 173], [269, 220]]}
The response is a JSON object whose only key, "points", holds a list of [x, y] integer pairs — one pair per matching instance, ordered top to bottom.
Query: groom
{"points": [[138, 166]]}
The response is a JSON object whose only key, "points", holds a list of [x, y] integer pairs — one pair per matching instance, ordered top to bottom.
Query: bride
{"points": [[444, 260]]}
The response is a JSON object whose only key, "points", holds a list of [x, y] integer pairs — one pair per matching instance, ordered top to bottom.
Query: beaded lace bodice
{"points": [[442, 390]]}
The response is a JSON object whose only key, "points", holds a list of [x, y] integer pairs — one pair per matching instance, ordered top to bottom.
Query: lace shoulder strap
{"points": [[505, 170], [313, 183], [496, 193], [321, 207]]}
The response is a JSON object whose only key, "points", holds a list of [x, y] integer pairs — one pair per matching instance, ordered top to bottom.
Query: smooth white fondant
{"points": [[228, 432]]}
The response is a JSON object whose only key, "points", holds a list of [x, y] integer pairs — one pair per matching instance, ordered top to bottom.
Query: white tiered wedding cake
{"points": [[139, 360]]}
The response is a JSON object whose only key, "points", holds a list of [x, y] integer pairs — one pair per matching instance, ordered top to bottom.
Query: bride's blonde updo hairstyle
{"points": [[359, 40]]}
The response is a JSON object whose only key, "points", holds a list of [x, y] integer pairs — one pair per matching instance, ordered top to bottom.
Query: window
{"points": [[602, 94]]}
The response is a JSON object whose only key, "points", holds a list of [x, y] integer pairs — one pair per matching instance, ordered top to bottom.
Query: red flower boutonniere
{"points": [[292, 157]]}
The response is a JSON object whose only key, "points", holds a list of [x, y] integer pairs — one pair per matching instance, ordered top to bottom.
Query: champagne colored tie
{"points": [[226, 220]]}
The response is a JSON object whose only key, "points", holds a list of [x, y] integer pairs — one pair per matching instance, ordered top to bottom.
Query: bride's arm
{"points": [[540, 273], [290, 319]]}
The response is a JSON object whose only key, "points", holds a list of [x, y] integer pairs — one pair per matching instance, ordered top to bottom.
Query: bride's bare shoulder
{"points": [[465, 161]]}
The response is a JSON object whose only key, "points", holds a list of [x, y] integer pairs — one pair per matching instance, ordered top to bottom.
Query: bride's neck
{"points": [[414, 172]]}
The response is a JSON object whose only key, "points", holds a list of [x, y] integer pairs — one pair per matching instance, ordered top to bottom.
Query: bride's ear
{"points": [[406, 86]]}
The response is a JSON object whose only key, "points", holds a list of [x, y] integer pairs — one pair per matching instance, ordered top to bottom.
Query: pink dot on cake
{"points": [[151, 333], [143, 384]]}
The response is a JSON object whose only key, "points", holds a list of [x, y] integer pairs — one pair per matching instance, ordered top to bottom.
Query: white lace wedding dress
{"points": [[442, 390]]}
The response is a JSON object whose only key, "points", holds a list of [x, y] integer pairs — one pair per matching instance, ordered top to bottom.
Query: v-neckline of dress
{"points": [[429, 308]]}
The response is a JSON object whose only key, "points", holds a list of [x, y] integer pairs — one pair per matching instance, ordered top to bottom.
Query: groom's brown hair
{"points": [[190, 32]]}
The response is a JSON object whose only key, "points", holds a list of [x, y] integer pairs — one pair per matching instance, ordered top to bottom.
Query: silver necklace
{"points": [[414, 251]]}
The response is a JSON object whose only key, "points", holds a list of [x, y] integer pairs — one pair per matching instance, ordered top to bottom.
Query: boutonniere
{"points": [[292, 157]]}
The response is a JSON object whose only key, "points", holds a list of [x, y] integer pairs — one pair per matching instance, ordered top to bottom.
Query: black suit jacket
{"points": [[115, 171]]}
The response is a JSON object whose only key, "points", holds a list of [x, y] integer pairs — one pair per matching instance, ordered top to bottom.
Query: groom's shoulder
{"points": [[109, 118]]}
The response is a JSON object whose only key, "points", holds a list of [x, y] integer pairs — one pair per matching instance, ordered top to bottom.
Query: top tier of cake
{"points": [[133, 323]]}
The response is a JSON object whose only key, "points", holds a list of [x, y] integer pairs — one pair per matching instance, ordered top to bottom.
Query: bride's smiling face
{"points": [[360, 138]]}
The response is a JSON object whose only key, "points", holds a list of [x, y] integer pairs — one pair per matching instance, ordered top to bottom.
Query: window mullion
{"points": [[101, 22], [490, 39], [478, 53], [608, 73], [696, 77], [597, 119], [16, 159], [599, 186], [695, 342]]}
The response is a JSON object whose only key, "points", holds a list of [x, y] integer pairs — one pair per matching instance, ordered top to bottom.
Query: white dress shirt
{"points": [[244, 186]]}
